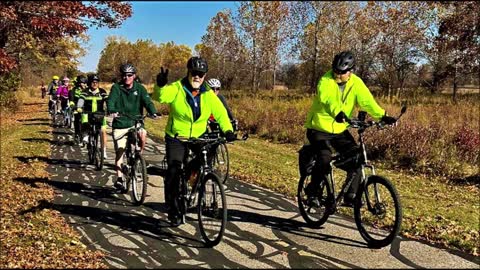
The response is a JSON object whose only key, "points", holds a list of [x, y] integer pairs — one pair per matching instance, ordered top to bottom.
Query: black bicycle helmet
{"points": [[343, 62], [197, 64], [127, 68], [93, 77], [81, 79]]}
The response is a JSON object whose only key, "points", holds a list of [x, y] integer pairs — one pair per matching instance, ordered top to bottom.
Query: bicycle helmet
{"points": [[343, 62], [197, 64], [127, 68], [55, 77], [93, 77], [65, 79], [81, 79], [214, 83]]}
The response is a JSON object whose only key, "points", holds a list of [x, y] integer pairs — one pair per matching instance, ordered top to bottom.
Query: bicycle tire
{"points": [[54, 113], [91, 150], [99, 155], [221, 162], [139, 168], [209, 209], [315, 217], [377, 234]]}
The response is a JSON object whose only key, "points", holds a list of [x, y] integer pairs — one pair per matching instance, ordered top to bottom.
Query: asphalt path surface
{"points": [[264, 229]]}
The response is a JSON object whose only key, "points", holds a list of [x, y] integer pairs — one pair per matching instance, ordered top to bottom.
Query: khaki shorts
{"points": [[119, 136]]}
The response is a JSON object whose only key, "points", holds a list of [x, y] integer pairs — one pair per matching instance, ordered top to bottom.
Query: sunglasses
{"points": [[341, 72], [197, 73], [127, 75], [216, 88]]}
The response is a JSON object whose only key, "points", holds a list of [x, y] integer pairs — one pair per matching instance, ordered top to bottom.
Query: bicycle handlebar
{"points": [[362, 124]]}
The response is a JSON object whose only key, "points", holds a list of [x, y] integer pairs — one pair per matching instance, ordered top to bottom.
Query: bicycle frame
{"points": [[188, 195]]}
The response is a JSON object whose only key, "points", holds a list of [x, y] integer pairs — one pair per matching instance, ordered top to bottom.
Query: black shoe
{"points": [[119, 183], [348, 199], [313, 201], [175, 221]]}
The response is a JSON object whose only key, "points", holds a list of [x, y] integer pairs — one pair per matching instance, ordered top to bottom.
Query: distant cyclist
{"points": [[215, 85], [43, 88], [52, 92], [62, 95], [73, 96], [127, 97], [93, 99]]}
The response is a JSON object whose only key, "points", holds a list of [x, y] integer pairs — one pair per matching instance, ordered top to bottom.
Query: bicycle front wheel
{"points": [[91, 149], [99, 154], [221, 163], [139, 180], [212, 210], [378, 212], [314, 215]]}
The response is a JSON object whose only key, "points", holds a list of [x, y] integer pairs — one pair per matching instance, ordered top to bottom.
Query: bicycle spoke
{"points": [[212, 210], [378, 220]]}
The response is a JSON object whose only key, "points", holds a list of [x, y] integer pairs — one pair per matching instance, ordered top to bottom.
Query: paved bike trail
{"points": [[264, 228]]}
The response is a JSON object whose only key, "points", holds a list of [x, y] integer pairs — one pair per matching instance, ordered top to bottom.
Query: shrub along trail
{"points": [[29, 237]]}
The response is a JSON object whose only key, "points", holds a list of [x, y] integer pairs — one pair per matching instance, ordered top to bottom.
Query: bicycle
{"points": [[53, 111], [68, 117], [94, 147], [221, 160], [135, 167], [204, 182], [374, 197]]}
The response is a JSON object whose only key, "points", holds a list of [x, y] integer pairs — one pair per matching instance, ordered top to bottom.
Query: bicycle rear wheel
{"points": [[99, 155], [221, 163], [139, 180], [212, 210], [378, 212], [313, 215]]}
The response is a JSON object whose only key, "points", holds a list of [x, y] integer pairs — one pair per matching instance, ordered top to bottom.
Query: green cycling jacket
{"points": [[330, 101], [131, 102], [180, 119]]}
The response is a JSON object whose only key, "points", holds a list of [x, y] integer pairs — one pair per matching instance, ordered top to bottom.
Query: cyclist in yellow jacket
{"points": [[339, 90], [191, 103]]}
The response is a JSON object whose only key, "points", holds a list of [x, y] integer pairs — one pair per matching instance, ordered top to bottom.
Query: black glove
{"points": [[162, 77], [341, 117], [388, 120], [230, 136]]}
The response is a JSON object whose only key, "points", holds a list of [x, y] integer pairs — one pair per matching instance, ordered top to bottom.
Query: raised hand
{"points": [[162, 77]]}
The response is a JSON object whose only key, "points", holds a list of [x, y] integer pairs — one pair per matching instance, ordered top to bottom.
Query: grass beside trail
{"points": [[440, 213], [32, 234]]}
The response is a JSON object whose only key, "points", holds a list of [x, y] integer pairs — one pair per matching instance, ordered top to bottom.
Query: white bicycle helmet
{"points": [[214, 83]]}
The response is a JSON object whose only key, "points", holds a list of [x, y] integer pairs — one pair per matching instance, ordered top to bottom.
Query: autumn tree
{"points": [[28, 27], [326, 29], [459, 39], [223, 50], [146, 56]]}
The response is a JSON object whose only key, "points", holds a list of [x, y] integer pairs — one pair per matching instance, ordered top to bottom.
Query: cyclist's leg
{"points": [[59, 105], [76, 124], [84, 127], [103, 135], [142, 136], [119, 142], [345, 144], [321, 145], [175, 152]]}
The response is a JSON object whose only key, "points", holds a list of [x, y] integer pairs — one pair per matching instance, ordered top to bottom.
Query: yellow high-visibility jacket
{"points": [[330, 101], [180, 119]]}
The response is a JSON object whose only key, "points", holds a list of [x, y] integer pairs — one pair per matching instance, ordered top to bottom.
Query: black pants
{"points": [[77, 123], [322, 143], [176, 153]]}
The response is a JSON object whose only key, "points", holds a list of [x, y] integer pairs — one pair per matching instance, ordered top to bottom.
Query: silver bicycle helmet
{"points": [[214, 83]]}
